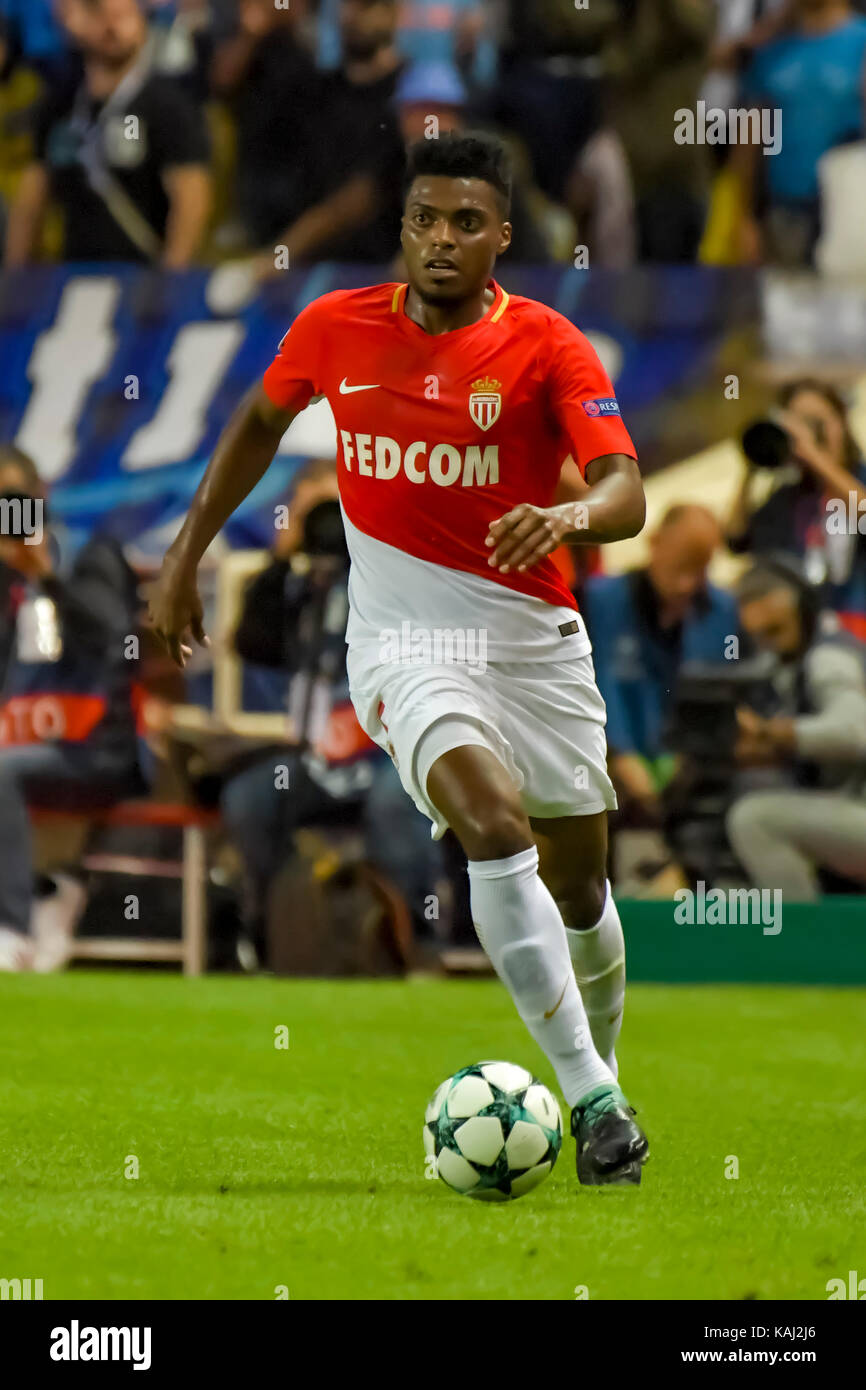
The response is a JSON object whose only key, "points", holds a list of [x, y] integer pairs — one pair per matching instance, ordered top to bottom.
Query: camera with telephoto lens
{"points": [[767, 444], [703, 724], [703, 731]]}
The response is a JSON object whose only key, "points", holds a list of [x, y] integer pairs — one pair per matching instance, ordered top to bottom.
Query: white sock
{"points": [[520, 928], [598, 957]]}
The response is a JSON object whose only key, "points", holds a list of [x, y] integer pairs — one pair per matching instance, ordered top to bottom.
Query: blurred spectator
{"points": [[741, 27], [447, 31], [184, 33], [30, 34], [655, 61], [814, 76], [268, 79], [436, 90], [549, 90], [549, 93], [430, 100], [124, 152], [355, 158], [600, 195], [801, 515], [293, 624], [644, 625], [67, 726], [784, 838]]}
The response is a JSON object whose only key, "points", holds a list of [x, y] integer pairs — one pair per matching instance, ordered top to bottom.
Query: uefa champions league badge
{"points": [[604, 405]]}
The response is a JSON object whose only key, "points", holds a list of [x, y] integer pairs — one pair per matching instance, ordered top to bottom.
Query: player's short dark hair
{"points": [[472, 154]]}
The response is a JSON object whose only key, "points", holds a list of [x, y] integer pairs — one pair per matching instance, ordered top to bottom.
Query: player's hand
{"points": [[524, 536], [176, 612]]}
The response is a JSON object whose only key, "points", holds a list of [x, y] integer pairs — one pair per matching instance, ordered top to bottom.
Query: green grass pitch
{"points": [[261, 1167]]}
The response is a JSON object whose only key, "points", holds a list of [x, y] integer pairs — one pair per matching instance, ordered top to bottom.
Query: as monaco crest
{"points": [[485, 403]]}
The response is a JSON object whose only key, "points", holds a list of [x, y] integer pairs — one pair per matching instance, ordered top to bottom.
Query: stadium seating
{"points": [[191, 869]]}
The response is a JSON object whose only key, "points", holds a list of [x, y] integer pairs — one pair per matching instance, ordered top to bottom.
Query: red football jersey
{"points": [[441, 434]]}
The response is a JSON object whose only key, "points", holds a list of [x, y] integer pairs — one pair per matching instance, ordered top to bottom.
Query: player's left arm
{"points": [[572, 485], [610, 505], [613, 508]]}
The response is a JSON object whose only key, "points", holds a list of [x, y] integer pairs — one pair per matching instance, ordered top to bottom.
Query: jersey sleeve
{"points": [[292, 379], [582, 398]]}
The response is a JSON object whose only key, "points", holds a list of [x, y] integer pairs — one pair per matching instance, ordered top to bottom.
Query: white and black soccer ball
{"points": [[492, 1131]]}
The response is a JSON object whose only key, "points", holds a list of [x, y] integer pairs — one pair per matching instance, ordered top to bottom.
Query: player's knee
{"points": [[494, 831], [582, 904]]}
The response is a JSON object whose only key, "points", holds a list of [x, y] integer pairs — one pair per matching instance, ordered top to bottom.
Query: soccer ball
{"points": [[492, 1131]]}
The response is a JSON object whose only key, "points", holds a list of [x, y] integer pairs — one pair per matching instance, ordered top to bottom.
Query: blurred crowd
{"points": [[180, 131], [736, 718]]}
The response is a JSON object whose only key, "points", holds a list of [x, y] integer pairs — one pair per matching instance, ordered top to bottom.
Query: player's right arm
{"points": [[242, 456]]}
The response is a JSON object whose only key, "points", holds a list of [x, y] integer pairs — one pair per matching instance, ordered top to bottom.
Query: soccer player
{"points": [[456, 406]]}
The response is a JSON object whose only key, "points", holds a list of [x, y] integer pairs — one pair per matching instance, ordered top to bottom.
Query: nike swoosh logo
{"points": [[347, 390], [559, 1000]]}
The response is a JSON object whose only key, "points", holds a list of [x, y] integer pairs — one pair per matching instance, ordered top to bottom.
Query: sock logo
{"points": [[559, 1000]]}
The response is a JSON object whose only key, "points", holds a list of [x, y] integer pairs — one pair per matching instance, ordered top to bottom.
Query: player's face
{"points": [[452, 233], [773, 622]]}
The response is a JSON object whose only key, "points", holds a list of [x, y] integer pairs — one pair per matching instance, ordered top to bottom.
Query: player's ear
{"points": [[504, 238]]}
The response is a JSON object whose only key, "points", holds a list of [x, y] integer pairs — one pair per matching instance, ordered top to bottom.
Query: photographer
{"points": [[820, 472], [293, 624], [644, 626], [67, 723], [818, 738]]}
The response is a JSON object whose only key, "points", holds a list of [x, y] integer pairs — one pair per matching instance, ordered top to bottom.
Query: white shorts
{"points": [[544, 720]]}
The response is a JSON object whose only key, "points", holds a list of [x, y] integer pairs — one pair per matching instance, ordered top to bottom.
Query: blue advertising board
{"points": [[118, 380]]}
